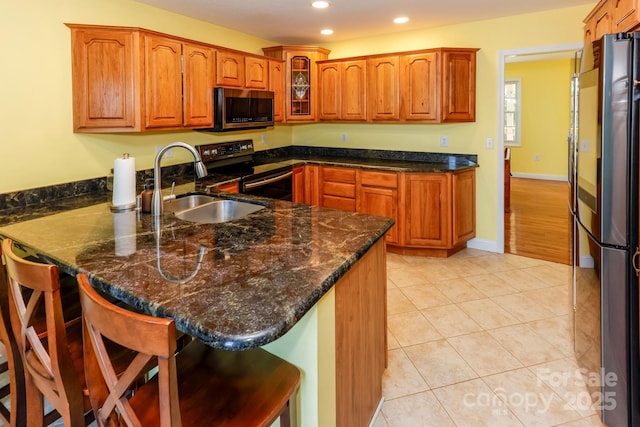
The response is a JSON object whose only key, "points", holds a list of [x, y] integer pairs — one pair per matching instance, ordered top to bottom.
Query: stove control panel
{"points": [[225, 150]]}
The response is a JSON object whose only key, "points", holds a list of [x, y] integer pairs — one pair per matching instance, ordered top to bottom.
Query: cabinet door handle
{"points": [[634, 261]]}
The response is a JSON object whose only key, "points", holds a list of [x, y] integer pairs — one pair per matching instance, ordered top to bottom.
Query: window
{"points": [[512, 112]]}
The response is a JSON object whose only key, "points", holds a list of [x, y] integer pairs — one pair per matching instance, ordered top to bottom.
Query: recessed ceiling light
{"points": [[320, 4], [401, 20], [326, 32]]}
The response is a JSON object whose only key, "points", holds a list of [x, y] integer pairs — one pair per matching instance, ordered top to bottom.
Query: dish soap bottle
{"points": [[147, 196]]}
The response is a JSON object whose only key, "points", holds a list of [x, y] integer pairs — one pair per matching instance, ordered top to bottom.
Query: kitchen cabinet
{"points": [[611, 16], [599, 21], [230, 69], [256, 73], [107, 77], [301, 79], [132, 80], [197, 83], [330, 84], [276, 85], [458, 85], [419, 86], [383, 88], [342, 90], [177, 97], [312, 185], [338, 188], [298, 193], [378, 195], [464, 208], [428, 210], [434, 212], [439, 212]]}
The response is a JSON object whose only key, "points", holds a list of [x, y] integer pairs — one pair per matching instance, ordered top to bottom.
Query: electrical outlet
{"points": [[343, 137], [264, 138], [444, 141], [489, 143], [536, 157]]}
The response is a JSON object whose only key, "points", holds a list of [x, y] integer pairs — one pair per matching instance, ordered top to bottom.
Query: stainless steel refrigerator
{"points": [[605, 182]]}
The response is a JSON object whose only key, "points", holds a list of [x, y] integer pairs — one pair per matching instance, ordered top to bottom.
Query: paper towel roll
{"points": [[124, 183], [124, 231]]}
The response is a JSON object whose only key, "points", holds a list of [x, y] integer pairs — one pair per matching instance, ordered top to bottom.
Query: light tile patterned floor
{"points": [[481, 339]]}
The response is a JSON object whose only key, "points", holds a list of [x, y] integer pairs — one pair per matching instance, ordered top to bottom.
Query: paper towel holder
{"points": [[125, 206]]}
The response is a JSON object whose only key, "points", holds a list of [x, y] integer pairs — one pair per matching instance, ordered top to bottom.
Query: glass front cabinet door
{"points": [[301, 79]]}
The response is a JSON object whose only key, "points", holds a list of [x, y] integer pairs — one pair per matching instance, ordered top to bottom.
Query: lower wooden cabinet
{"points": [[338, 188], [298, 192], [378, 195], [427, 199], [434, 213]]}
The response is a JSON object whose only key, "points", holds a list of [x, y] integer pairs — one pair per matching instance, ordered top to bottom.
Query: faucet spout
{"points": [[201, 171]]}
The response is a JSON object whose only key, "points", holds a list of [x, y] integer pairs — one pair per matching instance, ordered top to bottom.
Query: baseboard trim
{"points": [[539, 176], [483, 245]]}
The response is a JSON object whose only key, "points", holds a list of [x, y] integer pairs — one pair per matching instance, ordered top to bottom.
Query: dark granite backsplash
{"points": [[41, 195]]}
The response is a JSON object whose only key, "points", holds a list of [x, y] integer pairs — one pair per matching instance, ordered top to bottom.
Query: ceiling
{"points": [[296, 22]]}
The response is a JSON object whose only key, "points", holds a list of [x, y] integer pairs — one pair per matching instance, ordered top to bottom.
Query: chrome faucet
{"points": [[157, 201]]}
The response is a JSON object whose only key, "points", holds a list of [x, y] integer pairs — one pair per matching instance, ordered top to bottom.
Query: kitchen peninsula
{"points": [[308, 283]]}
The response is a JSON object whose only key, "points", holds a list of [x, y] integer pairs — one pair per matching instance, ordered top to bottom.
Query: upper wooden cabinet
{"points": [[625, 15], [611, 16], [230, 69], [256, 73], [107, 76], [301, 79], [128, 80], [197, 83], [419, 83], [276, 85], [427, 86], [383, 88], [342, 90], [458, 97]]}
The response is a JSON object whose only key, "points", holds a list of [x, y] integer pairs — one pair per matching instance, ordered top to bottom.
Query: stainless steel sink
{"points": [[187, 202], [209, 210]]}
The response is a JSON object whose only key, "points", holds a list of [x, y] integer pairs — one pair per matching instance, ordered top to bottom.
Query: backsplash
{"points": [[42, 195]]}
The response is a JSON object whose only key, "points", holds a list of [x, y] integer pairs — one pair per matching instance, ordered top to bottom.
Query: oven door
{"points": [[276, 185]]}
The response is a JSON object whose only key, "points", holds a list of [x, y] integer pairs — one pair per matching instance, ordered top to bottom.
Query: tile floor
{"points": [[481, 339]]}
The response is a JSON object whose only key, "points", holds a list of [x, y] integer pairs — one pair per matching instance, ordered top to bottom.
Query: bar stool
{"points": [[51, 353], [200, 386], [15, 413]]}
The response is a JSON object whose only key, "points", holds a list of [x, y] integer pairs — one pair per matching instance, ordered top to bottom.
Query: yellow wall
{"points": [[546, 101], [36, 115]]}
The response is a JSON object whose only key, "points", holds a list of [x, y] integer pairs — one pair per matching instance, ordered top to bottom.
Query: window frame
{"points": [[518, 113]]}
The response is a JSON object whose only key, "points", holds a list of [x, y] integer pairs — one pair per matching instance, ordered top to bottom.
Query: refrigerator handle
{"points": [[634, 261]]}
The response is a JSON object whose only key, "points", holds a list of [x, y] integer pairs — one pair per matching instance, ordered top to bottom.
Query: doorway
{"points": [[536, 202]]}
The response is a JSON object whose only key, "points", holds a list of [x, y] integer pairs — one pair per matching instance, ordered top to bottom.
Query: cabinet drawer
{"points": [[339, 174], [379, 179], [340, 189], [341, 203]]}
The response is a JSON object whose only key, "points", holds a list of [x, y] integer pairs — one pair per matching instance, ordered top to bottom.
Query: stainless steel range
{"points": [[235, 159]]}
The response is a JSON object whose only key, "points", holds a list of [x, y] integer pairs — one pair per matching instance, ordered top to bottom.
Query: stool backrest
{"points": [[151, 337], [45, 354]]}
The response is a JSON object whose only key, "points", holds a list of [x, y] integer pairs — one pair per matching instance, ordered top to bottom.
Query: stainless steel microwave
{"points": [[238, 109]]}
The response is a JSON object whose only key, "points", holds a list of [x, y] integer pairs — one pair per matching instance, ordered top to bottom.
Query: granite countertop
{"points": [[450, 164], [233, 285]]}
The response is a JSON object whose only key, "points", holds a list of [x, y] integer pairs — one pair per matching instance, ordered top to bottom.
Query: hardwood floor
{"points": [[538, 224]]}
